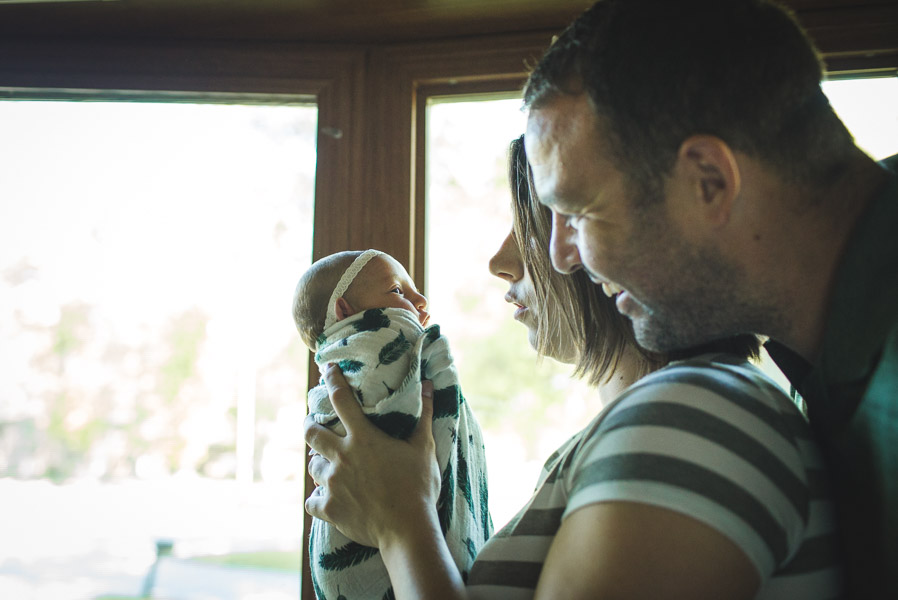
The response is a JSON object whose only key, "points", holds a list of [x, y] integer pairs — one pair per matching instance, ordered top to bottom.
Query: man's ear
{"points": [[711, 174], [343, 309]]}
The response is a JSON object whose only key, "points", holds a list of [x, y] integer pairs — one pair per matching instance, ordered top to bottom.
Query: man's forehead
{"points": [[562, 115], [562, 144], [546, 153], [541, 154]]}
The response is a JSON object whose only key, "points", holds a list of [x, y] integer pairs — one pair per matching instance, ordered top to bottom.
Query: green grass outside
{"points": [[275, 561]]}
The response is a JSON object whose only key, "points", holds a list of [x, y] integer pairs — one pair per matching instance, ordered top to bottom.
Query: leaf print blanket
{"points": [[385, 354]]}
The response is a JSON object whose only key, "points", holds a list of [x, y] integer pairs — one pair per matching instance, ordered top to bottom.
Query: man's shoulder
{"points": [[890, 163]]}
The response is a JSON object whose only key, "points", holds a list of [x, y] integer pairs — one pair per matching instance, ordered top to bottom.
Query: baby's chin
{"points": [[424, 321]]}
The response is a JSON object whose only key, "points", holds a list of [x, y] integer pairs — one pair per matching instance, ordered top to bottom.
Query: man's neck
{"points": [[811, 248]]}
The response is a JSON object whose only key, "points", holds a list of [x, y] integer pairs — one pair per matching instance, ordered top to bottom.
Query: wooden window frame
{"points": [[401, 80]]}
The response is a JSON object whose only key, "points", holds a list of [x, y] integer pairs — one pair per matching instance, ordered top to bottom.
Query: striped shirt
{"points": [[712, 438]]}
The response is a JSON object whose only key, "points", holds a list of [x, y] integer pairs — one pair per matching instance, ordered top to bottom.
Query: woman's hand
{"points": [[374, 488]]}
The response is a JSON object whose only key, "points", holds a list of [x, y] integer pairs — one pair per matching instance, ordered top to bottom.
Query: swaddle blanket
{"points": [[385, 354]]}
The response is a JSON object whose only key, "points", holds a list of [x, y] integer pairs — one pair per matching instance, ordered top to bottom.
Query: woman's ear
{"points": [[343, 309]]}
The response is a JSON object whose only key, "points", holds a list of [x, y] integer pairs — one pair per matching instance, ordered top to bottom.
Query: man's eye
{"points": [[570, 220]]}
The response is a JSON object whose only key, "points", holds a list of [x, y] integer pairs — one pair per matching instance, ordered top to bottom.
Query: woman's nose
{"points": [[562, 249], [506, 263]]}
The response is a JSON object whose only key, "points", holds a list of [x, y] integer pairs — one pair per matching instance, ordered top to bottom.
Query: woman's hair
{"points": [[569, 306], [572, 306]]}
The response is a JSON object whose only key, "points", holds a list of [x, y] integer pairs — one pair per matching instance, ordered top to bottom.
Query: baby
{"points": [[362, 311]]}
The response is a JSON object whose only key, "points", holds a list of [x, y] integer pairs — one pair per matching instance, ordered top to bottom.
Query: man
{"points": [[696, 171]]}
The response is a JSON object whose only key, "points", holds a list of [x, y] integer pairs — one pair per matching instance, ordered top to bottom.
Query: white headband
{"points": [[348, 275]]}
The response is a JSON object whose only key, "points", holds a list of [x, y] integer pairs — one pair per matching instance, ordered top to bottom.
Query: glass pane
{"points": [[869, 108], [153, 383], [526, 410]]}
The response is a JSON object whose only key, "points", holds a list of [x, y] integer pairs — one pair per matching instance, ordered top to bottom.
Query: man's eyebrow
{"points": [[560, 205]]}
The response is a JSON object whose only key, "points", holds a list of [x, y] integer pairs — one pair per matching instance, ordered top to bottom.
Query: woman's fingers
{"points": [[343, 400], [423, 434], [422, 438], [321, 439], [319, 469], [370, 483], [316, 503]]}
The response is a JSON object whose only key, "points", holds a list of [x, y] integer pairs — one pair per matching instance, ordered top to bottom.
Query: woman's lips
{"points": [[520, 309]]}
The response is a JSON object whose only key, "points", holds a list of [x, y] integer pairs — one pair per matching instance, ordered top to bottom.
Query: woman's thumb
{"points": [[424, 430]]}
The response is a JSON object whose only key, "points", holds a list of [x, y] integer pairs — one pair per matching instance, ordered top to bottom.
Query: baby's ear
{"points": [[343, 309]]}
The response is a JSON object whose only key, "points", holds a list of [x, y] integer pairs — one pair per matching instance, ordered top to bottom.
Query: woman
{"points": [[579, 325], [698, 481]]}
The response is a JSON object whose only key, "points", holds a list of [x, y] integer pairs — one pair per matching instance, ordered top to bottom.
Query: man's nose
{"points": [[562, 248]]}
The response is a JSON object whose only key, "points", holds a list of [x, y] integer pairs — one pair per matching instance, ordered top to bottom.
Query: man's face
{"points": [[669, 285]]}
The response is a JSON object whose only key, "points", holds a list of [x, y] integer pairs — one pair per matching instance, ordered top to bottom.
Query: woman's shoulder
{"points": [[714, 379], [718, 403], [715, 439]]}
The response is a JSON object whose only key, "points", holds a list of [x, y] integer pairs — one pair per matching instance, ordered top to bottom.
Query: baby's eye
{"points": [[396, 290]]}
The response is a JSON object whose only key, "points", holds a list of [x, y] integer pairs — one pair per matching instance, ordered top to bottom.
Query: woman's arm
{"points": [[382, 492], [614, 550]]}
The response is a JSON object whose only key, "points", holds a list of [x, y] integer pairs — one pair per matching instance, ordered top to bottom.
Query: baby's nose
{"points": [[420, 302]]}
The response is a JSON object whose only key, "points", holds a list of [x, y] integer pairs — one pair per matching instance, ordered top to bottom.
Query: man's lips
{"points": [[611, 289], [616, 293]]}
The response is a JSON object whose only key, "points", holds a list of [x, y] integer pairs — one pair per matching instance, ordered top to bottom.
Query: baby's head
{"points": [[342, 284]]}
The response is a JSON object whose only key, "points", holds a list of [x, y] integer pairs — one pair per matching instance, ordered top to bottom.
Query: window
{"points": [[868, 109], [152, 389], [526, 409]]}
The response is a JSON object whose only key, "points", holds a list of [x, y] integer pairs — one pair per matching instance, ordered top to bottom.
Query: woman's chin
{"points": [[532, 338], [560, 350], [564, 355]]}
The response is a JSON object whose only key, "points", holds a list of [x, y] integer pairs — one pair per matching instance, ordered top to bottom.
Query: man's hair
{"points": [[659, 71], [313, 291], [580, 311]]}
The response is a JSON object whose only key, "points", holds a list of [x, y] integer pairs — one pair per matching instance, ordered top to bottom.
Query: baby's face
{"points": [[384, 283]]}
